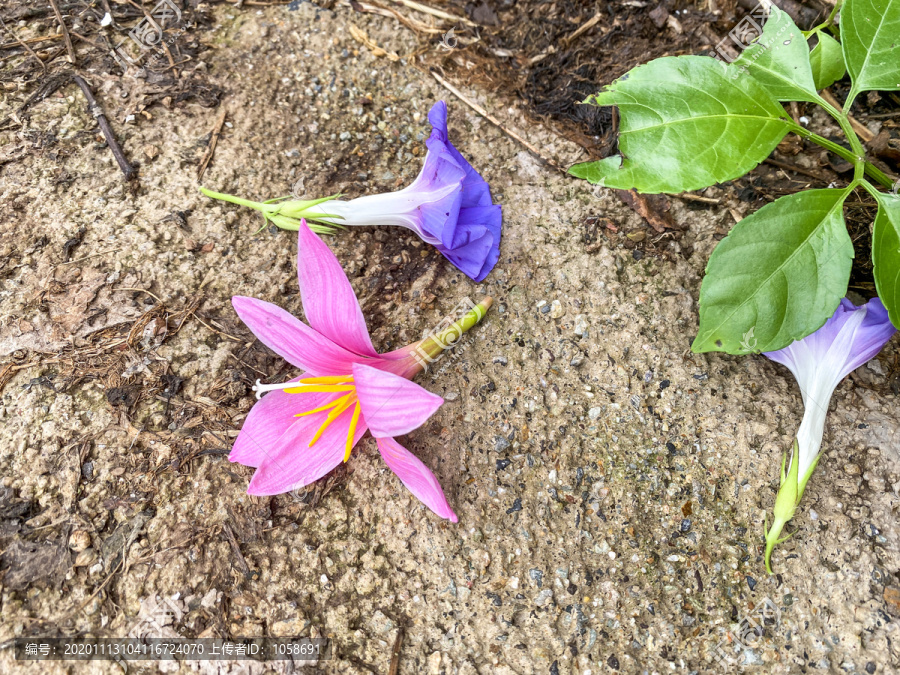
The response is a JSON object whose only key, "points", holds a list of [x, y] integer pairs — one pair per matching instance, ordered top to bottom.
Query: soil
{"points": [[611, 486]]}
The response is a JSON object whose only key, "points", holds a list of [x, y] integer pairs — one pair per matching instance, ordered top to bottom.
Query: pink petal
{"points": [[329, 303], [293, 340], [392, 405], [269, 418], [291, 463], [415, 476]]}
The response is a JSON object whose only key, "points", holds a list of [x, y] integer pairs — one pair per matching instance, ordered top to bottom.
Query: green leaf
{"points": [[870, 36], [779, 60], [827, 61], [685, 125], [886, 253], [777, 276]]}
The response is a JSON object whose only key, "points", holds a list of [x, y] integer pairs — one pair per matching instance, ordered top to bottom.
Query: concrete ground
{"points": [[611, 486]]}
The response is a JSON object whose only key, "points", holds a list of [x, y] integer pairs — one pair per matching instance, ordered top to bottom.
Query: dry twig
{"points": [[435, 12], [65, 31], [24, 45], [97, 112], [493, 120], [211, 148]]}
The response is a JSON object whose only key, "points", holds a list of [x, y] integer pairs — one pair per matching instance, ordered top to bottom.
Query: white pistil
{"points": [[312, 385], [261, 389]]}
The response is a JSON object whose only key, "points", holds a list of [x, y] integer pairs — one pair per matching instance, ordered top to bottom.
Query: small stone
{"points": [[345, 136], [151, 151], [545, 309], [557, 310], [581, 325], [501, 360], [577, 360], [876, 367], [451, 396], [594, 413], [501, 443], [503, 463], [852, 469], [516, 506], [686, 525], [79, 541], [86, 558], [537, 576], [751, 582], [543, 597], [209, 600], [434, 663]]}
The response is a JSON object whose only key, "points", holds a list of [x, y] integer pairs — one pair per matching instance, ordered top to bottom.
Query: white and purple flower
{"points": [[448, 205], [819, 362]]}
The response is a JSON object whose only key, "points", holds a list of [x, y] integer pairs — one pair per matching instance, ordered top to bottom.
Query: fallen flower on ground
{"points": [[448, 205], [850, 338], [302, 429]]}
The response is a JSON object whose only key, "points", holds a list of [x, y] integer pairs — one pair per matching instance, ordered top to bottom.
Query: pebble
{"points": [[556, 309], [581, 325], [501, 360], [577, 360], [594, 413], [501, 443], [79, 541], [86, 558], [891, 596], [543, 597]]}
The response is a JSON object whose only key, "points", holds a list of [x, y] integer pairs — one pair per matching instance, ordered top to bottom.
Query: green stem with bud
{"points": [[285, 215], [789, 495]]}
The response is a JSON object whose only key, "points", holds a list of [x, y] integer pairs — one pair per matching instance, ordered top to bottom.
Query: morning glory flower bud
{"points": [[850, 338]]}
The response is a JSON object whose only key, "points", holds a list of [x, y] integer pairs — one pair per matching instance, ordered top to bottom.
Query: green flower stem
{"points": [[259, 206], [272, 212], [433, 345], [788, 499]]}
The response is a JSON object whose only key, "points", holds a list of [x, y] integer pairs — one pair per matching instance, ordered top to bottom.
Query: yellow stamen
{"points": [[327, 379], [327, 384], [320, 389], [343, 403], [322, 408], [352, 431]]}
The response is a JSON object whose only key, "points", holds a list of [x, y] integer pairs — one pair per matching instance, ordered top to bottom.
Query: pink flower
{"points": [[304, 428]]}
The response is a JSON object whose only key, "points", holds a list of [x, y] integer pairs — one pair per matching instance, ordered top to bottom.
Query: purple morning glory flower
{"points": [[448, 205], [819, 362]]}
